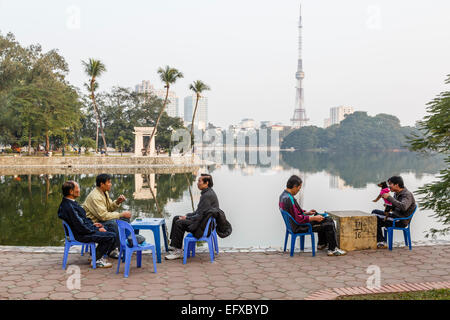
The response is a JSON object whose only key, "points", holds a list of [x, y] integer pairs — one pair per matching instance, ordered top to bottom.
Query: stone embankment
{"points": [[96, 164]]}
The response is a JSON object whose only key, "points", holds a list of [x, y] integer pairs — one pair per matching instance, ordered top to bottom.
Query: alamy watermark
{"points": [[374, 20], [73, 21], [74, 280], [374, 280]]}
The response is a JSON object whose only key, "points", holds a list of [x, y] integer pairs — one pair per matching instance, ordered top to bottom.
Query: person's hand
{"points": [[385, 195], [121, 199], [313, 211], [126, 214], [182, 218], [317, 218], [98, 225], [102, 230]]}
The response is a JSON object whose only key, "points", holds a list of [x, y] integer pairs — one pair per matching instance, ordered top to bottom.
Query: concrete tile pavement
{"points": [[237, 275]]}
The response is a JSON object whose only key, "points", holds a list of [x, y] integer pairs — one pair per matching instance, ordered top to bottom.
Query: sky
{"points": [[385, 56]]}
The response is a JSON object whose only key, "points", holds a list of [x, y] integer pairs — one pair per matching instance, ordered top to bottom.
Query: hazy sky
{"points": [[389, 56]]}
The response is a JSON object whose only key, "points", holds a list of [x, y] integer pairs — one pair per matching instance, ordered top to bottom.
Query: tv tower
{"points": [[299, 119]]}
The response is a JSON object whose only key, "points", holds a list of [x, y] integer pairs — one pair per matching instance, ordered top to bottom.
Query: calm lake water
{"points": [[248, 194]]}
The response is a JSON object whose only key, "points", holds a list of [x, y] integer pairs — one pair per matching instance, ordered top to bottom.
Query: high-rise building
{"points": [[172, 108], [337, 114], [201, 117], [299, 119]]}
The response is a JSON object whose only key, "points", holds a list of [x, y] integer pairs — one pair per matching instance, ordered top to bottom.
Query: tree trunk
{"points": [[99, 119], [157, 121], [192, 126], [96, 136], [47, 141], [29, 143]]}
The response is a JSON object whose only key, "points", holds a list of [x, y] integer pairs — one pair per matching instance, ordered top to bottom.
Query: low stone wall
{"points": [[95, 160], [95, 164]]}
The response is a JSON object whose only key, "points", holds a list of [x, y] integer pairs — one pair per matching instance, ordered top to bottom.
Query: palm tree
{"points": [[94, 69], [168, 76], [197, 87]]}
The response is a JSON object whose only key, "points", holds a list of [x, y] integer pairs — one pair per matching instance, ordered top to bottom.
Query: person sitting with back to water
{"points": [[403, 204], [100, 208], [191, 221], [323, 226], [83, 229]]}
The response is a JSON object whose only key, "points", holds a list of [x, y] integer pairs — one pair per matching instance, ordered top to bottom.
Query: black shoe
{"points": [[114, 254]]}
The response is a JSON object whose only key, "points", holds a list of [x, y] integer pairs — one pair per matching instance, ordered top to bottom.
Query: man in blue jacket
{"points": [[83, 229]]}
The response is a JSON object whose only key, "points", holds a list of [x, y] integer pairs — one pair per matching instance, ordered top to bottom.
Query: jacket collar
{"points": [[205, 190]]}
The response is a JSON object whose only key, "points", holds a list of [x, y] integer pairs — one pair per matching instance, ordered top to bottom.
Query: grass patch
{"points": [[440, 294]]}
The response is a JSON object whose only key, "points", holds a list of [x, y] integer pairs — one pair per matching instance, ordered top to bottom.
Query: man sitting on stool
{"points": [[403, 203], [189, 222], [84, 230]]}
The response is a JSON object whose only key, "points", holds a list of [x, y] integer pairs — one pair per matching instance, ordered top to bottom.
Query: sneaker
{"points": [[382, 245], [321, 246], [172, 248], [337, 252], [114, 254], [176, 254], [103, 263]]}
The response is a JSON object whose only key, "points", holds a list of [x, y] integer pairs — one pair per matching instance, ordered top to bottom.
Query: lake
{"points": [[248, 192]]}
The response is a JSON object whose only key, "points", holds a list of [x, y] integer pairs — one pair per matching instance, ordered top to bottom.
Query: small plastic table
{"points": [[153, 224]]}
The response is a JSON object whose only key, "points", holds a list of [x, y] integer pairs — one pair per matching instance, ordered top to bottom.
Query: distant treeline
{"points": [[357, 132]]}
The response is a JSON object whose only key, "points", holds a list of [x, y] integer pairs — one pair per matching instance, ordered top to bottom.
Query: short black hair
{"points": [[102, 178], [207, 178], [397, 180], [294, 181], [383, 185], [67, 187]]}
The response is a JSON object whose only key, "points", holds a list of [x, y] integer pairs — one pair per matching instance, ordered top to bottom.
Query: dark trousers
{"points": [[384, 223], [111, 226], [179, 227], [326, 232], [105, 240]]}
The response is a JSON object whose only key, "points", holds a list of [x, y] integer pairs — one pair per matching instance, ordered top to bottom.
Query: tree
{"points": [[94, 69], [168, 76], [197, 87], [35, 98], [435, 137], [87, 143], [122, 143]]}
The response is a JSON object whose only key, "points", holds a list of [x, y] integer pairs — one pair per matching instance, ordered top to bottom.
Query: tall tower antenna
{"points": [[299, 119]]}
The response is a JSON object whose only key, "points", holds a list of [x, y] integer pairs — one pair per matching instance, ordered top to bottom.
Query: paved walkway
{"points": [[252, 275]]}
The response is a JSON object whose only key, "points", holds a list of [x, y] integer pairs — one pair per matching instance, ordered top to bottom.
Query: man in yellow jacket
{"points": [[100, 208]]}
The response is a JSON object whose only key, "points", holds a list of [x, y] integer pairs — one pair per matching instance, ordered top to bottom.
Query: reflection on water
{"points": [[248, 193]]}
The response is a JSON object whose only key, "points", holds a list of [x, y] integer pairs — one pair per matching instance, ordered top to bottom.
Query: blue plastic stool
{"points": [[287, 217], [154, 225], [389, 231], [70, 241], [190, 241], [126, 251]]}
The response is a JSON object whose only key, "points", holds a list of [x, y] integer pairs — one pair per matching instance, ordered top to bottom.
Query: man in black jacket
{"points": [[191, 221], [82, 227]]}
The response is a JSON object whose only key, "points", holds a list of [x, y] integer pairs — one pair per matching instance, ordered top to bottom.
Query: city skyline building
{"points": [[172, 107], [337, 114], [201, 117], [299, 119]]}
